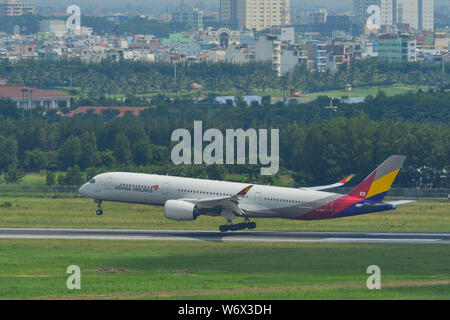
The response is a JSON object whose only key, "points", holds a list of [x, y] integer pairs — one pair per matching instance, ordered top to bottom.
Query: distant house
{"points": [[196, 86], [32, 97], [233, 100], [352, 100], [98, 110]]}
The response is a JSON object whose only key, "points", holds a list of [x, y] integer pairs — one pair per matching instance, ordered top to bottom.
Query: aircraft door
{"points": [[108, 183], [165, 189], [258, 197], [329, 206]]}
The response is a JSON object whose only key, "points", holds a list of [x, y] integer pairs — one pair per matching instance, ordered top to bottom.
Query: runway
{"points": [[244, 236]]}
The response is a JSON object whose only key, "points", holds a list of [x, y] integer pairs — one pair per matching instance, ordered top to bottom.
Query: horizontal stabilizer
{"points": [[400, 202]]}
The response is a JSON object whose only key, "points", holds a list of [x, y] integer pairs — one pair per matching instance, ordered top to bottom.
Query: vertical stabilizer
{"points": [[378, 183]]}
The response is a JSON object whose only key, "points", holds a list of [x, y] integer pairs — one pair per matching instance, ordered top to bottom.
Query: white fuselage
{"points": [[261, 201]]}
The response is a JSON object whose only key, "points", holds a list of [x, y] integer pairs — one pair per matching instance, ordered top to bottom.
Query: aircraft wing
{"points": [[334, 185], [231, 203]]}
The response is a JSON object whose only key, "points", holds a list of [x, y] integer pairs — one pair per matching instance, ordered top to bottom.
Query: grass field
{"points": [[390, 90], [365, 91], [31, 179], [25, 212], [35, 269], [189, 270]]}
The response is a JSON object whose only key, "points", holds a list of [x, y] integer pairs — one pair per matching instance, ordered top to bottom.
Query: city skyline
{"points": [[342, 4], [161, 5]]}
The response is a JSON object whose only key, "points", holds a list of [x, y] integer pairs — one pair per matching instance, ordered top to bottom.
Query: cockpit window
{"points": [[92, 181]]}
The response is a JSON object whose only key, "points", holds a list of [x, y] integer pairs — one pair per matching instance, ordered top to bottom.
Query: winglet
{"points": [[347, 179], [334, 185], [244, 191]]}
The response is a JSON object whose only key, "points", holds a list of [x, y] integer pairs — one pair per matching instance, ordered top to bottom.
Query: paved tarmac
{"points": [[241, 236]]}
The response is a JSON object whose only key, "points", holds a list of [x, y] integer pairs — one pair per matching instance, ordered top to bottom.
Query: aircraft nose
{"points": [[83, 190]]}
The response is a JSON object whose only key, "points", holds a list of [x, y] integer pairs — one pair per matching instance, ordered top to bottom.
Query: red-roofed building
{"points": [[60, 14], [26, 49], [197, 86], [47, 99], [98, 110]]}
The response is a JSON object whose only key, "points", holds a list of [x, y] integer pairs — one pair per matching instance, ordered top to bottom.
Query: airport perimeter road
{"points": [[202, 235]]}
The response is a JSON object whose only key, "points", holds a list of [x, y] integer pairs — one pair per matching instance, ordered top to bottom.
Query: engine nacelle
{"points": [[180, 210]]}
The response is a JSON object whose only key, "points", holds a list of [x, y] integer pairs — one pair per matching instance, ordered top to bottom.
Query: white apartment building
{"points": [[16, 8], [387, 12], [255, 14], [418, 14], [191, 17], [426, 19], [56, 26], [283, 56]]}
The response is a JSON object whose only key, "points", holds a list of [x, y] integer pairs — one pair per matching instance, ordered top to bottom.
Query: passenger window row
{"points": [[207, 193], [294, 201]]}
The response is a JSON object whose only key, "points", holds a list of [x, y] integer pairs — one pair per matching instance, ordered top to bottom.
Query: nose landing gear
{"points": [[99, 207]]}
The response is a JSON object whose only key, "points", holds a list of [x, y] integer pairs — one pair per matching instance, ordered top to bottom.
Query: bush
{"points": [[14, 174], [73, 177], [50, 178], [6, 204]]}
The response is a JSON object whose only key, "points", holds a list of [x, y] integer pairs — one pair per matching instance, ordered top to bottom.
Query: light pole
{"points": [[443, 63], [443, 69], [23, 103], [31, 104], [332, 108]]}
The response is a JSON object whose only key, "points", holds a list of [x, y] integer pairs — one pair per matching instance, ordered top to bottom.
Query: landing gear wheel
{"points": [[99, 206], [251, 225], [241, 226], [234, 227]]}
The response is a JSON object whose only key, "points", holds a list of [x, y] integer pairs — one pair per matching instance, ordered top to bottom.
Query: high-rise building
{"points": [[16, 8], [360, 11], [233, 12], [255, 14], [388, 14], [417, 14], [426, 15], [190, 17], [55, 26]]}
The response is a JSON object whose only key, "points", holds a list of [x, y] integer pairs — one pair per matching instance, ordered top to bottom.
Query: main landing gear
{"points": [[99, 207], [237, 227]]}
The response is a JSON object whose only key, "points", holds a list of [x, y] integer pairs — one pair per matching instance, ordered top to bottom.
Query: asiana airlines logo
{"points": [[136, 188]]}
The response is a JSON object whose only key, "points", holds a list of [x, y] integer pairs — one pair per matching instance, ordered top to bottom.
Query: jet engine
{"points": [[180, 210]]}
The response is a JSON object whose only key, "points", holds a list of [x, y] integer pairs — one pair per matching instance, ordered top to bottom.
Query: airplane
{"points": [[185, 199]]}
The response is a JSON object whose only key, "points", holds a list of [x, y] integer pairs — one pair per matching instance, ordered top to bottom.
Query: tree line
{"points": [[109, 78], [313, 150]]}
